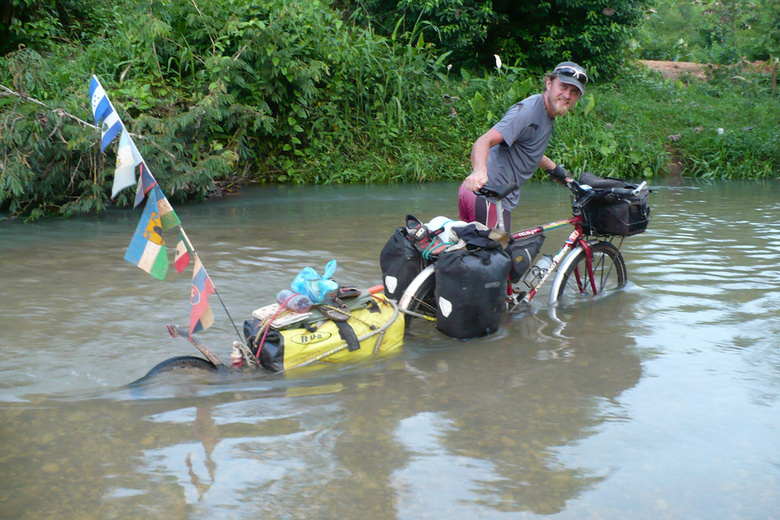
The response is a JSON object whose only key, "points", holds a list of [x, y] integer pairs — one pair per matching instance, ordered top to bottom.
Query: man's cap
{"points": [[571, 73]]}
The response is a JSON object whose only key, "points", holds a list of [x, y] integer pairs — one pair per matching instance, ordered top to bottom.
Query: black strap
{"points": [[348, 334]]}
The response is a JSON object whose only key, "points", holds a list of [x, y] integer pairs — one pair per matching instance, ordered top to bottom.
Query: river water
{"points": [[660, 401]]}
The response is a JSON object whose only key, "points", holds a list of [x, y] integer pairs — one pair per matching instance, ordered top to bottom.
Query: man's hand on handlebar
{"points": [[560, 174]]}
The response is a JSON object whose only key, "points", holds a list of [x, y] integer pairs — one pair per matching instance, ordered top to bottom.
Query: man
{"points": [[511, 151]]}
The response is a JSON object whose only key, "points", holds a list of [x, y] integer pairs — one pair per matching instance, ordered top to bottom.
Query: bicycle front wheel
{"points": [[575, 282], [419, 300]]}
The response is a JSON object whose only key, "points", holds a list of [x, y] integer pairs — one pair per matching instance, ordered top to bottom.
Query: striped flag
{"points": [[104, 113], [147, 247], [183, 251], [201, 316]]}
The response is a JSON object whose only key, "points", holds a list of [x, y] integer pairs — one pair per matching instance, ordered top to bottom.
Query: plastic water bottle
{"points": [[537, 271], [282, 296], [299, 303], [236, 359]]}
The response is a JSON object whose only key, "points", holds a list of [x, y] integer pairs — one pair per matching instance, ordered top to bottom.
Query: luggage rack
{"points": [[283, 319]]}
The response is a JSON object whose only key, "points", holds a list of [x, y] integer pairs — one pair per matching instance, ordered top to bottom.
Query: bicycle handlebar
{"points": [[581, 191]]}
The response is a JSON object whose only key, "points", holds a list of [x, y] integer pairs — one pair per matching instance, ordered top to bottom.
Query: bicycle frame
{"points": [[575, 239]]}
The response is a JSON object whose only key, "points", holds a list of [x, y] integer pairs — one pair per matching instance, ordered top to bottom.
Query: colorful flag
{"points": [[104, 113], [127, 158], [145, 183], [168, 218], [147, 248], [182, 258], [201, 316]]}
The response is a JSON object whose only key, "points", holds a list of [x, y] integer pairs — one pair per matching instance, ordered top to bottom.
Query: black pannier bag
{"points": [[613, 215], [522, 251], [400, 262], [470, 291]]}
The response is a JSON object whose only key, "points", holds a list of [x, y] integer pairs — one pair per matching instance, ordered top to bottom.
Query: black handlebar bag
{"points": [[613, 215]]}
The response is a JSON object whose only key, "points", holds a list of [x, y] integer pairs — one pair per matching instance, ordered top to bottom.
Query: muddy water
{"points": [[660, 401]]}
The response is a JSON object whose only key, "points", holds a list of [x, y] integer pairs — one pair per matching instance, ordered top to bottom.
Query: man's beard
{"points": [[559, 109]]}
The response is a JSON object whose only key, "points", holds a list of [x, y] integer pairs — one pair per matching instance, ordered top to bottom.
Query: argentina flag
{"points": [[104, 113]]}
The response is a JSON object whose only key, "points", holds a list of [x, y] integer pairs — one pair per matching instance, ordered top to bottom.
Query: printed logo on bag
{"points": [[391, 282], [445, 306], [310, 338]]}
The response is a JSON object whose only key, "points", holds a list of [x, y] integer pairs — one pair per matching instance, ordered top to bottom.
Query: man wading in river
{"points": [[511, 151]]}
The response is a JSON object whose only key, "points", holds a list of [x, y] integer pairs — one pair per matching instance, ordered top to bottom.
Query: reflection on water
{"points": [[656, 402]]}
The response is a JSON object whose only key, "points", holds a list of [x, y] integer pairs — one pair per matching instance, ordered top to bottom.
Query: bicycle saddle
{"points": [[499, 193]]}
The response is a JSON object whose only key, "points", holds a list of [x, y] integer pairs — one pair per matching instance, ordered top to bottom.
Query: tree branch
{"points": [[8, 92]]}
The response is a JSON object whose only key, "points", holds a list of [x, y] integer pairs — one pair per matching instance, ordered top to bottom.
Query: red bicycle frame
{"points": [[575, 239]]}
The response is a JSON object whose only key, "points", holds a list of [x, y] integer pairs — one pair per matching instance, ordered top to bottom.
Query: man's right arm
{"points": [[479, 158]]}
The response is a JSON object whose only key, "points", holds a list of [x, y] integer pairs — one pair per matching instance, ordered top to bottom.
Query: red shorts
{"points": [[473, 208]]}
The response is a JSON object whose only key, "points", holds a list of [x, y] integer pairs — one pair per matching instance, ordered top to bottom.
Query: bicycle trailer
{"points": [[315, 323], [361, 327]]}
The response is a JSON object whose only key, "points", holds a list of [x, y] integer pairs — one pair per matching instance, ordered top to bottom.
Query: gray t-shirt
{"points": [[526, 129]]}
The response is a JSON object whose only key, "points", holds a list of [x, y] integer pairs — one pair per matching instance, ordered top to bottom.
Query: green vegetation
{"points": [[712, 31], [227, 92]]}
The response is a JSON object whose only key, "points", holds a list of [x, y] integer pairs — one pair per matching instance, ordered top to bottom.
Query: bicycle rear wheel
{"points": [[574, 282], [419, 299]]}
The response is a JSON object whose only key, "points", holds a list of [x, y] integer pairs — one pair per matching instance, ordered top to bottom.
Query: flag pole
{"points": [[192, 248]]}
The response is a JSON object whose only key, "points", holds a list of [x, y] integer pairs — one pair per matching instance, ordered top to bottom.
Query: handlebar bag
{"points": [[613, 215], [623, 216]]}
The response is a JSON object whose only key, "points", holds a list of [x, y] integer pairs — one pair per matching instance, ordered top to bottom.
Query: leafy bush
{"points": [[711, 32], [528, 33], [285, 90]]}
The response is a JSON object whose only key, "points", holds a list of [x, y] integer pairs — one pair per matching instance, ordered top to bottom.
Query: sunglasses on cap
{"points": [[571, 72]]}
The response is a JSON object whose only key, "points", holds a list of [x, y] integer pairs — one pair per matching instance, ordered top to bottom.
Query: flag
{"points": [[104, 113], [127, 158], [145, 183], [168, 218], [147, 248], [182, 258], [201, 316]]}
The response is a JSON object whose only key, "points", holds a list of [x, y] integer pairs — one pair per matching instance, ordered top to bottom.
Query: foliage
{"points": [[38, 24], [457, 26], [712, 31], [595, 34], [535, 35], [284, 91], [230, 92], [715, 128]]}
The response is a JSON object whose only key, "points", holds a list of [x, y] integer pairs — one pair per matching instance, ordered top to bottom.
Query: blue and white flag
{"points": [[104, 113], [127, 158]]}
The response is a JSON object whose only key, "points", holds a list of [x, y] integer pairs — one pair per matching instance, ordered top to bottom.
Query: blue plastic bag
{"points": [[319, 289]]}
